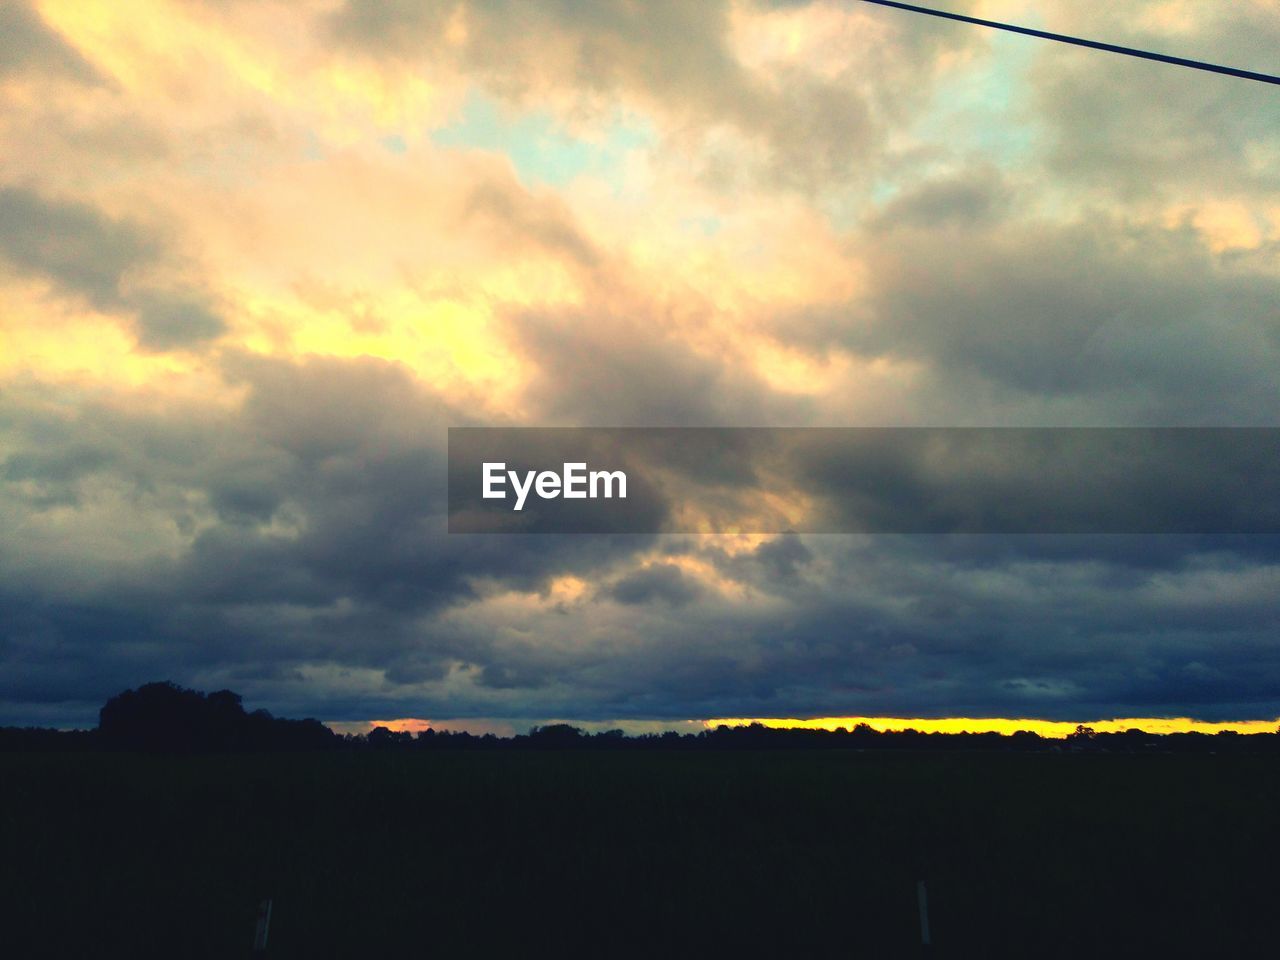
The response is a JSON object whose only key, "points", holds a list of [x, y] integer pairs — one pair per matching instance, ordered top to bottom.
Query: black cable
{"points": [[1094, 44]]}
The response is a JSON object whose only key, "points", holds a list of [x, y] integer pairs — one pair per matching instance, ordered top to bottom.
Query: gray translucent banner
{"points": [[1211, 480]]}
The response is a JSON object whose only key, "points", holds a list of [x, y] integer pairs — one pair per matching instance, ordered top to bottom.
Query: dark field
{"points": [[605, 854]]}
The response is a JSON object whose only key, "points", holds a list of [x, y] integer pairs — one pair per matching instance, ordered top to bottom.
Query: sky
{"points": [[257, 257]]}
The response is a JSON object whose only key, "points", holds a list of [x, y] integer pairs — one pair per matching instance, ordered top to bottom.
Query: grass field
{"points": [[788, 853]]}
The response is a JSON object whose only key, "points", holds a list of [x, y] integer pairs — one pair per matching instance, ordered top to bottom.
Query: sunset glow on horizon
{"points": [[1049, 729], [1052, 729]]}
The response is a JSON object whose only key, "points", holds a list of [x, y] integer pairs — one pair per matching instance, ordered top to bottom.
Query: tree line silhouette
{"points": [[165, 717]]}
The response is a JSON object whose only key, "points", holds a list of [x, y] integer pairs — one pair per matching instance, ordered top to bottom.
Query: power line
{"points": [[1093, 44]]}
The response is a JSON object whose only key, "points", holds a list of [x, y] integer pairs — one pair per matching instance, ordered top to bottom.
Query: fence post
{"points": [[922, 897], [262, 928]]}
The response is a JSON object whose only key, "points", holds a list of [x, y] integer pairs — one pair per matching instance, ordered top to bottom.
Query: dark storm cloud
{"points": [[27, 44], [671, 46], [1142, 128], [974, 198], [538, 220], [70, 243], [85, 253], [167, 321], [1144, 321], [624, 368], [357, 450], [873, 480], [1041, 481], [314, 517], [319, 554], [783, 557], [1127, 559], [659, 581], [886, 627], [917, 634]]}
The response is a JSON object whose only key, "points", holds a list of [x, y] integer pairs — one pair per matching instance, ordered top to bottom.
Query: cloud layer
{"points": [[256, 258]]}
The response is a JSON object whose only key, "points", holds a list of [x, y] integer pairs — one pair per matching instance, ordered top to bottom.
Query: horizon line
{"points": [[1048, 729]]}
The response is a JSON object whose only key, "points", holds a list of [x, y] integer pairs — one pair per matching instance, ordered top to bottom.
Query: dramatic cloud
{"points": [[28, 45], [1108, 127], [82, 252], [256, 258], [1104, 308]]}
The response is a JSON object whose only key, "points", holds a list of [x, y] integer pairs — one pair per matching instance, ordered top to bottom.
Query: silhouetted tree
{"points": [[165, 716], [556, 735], [384, 737]]}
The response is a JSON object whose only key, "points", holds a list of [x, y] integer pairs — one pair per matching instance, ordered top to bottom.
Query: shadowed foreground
{"points": [[589, 852]]}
